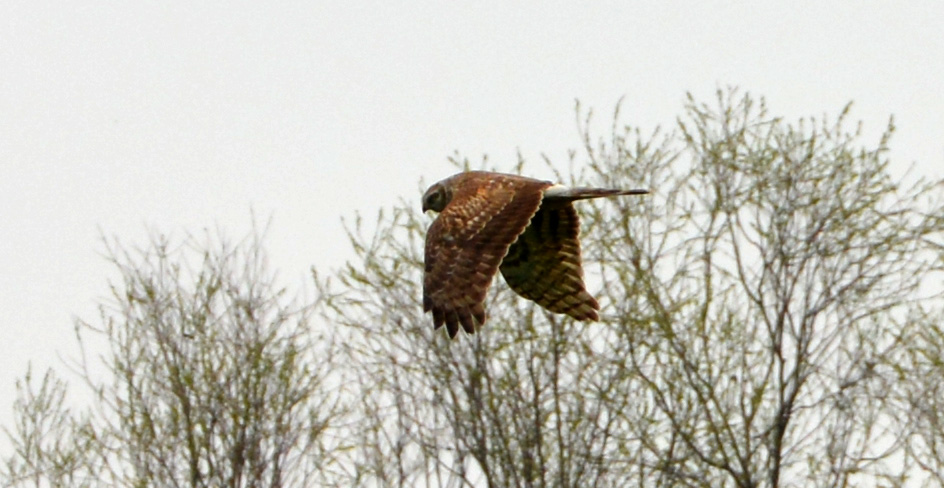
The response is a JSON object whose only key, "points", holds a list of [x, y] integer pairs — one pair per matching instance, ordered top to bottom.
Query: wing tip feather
{"points": [[468, 319]]}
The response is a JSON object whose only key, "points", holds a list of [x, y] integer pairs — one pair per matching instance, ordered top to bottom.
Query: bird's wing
{"points": [[466, 243], [543, 265]]}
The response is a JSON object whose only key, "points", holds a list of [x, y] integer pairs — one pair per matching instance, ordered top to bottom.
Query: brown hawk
{"points": [[527, 228]]}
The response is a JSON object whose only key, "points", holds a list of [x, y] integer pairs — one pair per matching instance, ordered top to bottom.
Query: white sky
{"points": [[182, 115]]}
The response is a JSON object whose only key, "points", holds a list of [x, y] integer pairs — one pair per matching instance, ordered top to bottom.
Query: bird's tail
{"points": [[568, 193]]}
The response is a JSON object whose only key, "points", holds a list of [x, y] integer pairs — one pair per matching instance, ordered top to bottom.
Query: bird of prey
{"points": [[525, 227]]}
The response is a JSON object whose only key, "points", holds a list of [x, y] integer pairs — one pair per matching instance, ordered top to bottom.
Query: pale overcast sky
{"points": [[174, 115]]}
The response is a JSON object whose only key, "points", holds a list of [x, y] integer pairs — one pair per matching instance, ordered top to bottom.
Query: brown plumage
{"points": [[489, 221]]}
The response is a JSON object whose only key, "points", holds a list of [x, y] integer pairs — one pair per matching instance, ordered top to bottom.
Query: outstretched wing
{"points": [[466, 243], [543, 265]]}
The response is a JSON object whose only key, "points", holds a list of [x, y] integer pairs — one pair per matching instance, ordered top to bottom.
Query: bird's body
{"points": [[525, 227]]}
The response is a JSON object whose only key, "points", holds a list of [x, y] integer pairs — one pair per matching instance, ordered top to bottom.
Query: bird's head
{"points": [[437, 197]]}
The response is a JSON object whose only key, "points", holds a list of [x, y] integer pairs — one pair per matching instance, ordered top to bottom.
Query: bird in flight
{"points": [[526, 228]]}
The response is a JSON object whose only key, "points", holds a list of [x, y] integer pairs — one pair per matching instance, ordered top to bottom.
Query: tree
{"points": [[779, 302], [772, 316], [757, 325], [214, 379], [922, 395], [44, 453]]}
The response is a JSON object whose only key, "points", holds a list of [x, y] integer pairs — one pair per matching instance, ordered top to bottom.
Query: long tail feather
{"points": [[570, 194]]}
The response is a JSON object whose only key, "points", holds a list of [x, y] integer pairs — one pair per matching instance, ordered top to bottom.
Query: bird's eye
{"points": [[435, 199]]}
